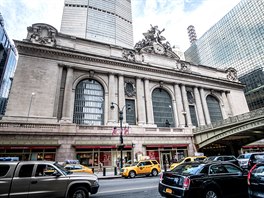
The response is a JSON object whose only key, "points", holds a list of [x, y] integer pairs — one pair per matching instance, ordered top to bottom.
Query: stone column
{"points": [[111, 96], [121, 96], [67, 101], [148, 103], [198, 103], [230, 104], [179, 105], [186, 105], [225, 106], [205, 107], [141, 113]]}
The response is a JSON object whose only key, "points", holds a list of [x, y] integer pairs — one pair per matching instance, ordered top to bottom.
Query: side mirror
{"points": [[245, 172]]}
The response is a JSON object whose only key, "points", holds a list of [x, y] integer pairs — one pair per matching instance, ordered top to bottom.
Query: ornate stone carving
{"points": [[42, 34], [154, 42], [129, 55], [231, 74], [130, 89]]}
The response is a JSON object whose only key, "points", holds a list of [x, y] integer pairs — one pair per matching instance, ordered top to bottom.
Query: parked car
{"points": [[225, 158], [255, 158], [187, 159], [243, 160], [144, 167], [78, 168], [44, 179], [212, 179], [256, 181]]}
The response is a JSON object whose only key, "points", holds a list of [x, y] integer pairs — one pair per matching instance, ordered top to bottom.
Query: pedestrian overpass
{"points": [[229, 135]]}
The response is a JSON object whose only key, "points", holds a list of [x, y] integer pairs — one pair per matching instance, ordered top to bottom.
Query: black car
{"points": [[225, 158], [254, 159], [213, 179], [256, 181]]}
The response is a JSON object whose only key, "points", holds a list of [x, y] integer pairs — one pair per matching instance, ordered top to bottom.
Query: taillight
{"points": [[249, 174], [161, 176], [186, 183]]}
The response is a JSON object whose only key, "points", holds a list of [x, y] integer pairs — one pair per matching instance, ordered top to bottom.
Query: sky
{"points": [[173, 15]]}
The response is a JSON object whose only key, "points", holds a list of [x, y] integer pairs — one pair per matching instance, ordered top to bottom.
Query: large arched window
{"points": [[89, 103], [162, 108], [214, 108]]}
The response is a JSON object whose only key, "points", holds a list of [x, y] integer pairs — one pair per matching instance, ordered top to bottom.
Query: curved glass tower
{"points": [[99, 20]]}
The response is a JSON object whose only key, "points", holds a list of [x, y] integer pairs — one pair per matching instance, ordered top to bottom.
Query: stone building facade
{"points": [[64, 88]]}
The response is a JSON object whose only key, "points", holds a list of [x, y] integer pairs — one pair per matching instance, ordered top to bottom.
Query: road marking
{"points": [[128, 189]]}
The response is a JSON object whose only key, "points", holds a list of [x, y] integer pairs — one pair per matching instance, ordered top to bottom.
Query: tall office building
{"points": [[99, 20], [237, 41], [8, 59]]}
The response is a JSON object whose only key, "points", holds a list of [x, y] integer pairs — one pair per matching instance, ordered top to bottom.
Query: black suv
{"points": [[255, 158]]}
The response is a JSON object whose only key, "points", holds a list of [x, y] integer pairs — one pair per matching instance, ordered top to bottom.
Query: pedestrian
{"points": [[100, 167]]}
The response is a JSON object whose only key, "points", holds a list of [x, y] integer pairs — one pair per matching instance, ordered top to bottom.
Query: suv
{"points": [[226, 158], [255, 158], [187, 159], [144, 167]]}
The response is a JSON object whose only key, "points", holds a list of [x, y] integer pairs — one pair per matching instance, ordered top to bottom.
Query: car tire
{"points": [[154, 172], [132, 174], [79, 192], [211, 193]]}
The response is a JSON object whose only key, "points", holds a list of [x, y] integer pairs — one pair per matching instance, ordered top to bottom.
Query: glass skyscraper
{"points": [[99, 20], [237, 41], [8, 60]]}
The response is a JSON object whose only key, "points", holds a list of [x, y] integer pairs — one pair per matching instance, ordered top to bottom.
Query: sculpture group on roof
{"points": [[154, 42]]}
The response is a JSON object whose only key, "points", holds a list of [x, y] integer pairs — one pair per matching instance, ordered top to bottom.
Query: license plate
{"points": [[168, 190]]}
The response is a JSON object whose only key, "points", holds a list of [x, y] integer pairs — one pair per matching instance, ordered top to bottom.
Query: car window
{"points": [[259, 156], [226, 158], [198, 159], [187, 160], [154, 162], [147, 163], [141, 164], [77, 167], [188, 168], [218, 169], [232, 169], [3, 170], [26, 170], [45, 170], [258, 172]]}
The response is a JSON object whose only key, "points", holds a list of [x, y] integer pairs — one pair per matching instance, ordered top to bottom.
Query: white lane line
{"points": [[128, 189]]}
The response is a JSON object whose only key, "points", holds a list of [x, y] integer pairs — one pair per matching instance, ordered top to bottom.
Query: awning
{"points": [[99, 146], [254, 146], [28, 147]]}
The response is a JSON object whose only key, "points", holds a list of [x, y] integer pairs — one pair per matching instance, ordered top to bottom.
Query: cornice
{"points": [[59, 54]]}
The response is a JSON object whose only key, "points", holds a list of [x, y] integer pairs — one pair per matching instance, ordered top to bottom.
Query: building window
{"points": [[89, 103], [162, 108], [214, 109], [130, 112], [193, 115]]}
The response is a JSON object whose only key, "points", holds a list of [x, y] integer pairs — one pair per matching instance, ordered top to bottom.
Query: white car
{"points": [[244, 158]]}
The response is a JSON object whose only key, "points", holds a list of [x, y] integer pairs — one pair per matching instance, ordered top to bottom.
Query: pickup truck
{"points": [[38, 179]]}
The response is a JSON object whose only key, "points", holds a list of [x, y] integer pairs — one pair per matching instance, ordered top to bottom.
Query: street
{"points": [[145, 187]]}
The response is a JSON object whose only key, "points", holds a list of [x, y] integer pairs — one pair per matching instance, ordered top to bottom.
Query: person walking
{"points": [[100, 167]]}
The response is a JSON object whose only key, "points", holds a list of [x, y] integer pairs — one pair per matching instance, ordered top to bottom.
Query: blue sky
{"points": [[173, 15]]}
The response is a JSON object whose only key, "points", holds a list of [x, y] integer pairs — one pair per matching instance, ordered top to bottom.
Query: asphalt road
{"points": [[140, 187]]}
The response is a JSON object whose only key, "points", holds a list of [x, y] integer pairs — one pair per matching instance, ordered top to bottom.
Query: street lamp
{"points": [[32, 95], [120, 112]]}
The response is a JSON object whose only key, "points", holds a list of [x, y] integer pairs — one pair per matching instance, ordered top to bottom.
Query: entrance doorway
{"points": [[166, 158]]}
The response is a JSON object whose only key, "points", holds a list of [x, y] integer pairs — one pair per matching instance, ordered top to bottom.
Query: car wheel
{"points": [[154, 172], [132, 174], [79, 192], [211, 193]]}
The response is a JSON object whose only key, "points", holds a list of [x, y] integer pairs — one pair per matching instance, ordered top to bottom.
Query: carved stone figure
{"points": [[231, 74]]}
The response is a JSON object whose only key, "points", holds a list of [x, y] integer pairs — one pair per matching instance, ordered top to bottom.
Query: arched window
{"points": [[89, 103], [162, 108], [214, 108]]}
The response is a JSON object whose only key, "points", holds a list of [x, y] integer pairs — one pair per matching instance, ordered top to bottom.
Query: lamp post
{"points": [[32, 95], [120, 112]]}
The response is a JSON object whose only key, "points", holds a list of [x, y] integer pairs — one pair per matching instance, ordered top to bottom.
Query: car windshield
{"points": [[244, 156], [209, 158], [62, 169], [188, 169]]}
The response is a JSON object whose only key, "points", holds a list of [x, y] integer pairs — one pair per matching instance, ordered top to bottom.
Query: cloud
{"points": [[173, 15]]}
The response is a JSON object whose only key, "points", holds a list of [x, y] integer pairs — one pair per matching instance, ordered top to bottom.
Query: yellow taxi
{"points": [[187, 159], [143, 167], [78, 168]]}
